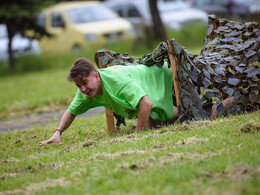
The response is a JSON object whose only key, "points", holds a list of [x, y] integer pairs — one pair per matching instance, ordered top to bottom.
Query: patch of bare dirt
{"points": [[199, 124], [250, 127], [122, 140], [191, 140], [89, 143], [162, 146], [118, 154], [169, 158], [11, 160], [38, 168], [235, 172], [232, 173], [8, 176], [37, 187]]}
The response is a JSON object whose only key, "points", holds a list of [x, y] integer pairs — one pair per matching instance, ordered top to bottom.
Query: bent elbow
{"points": [[145, 103], [149, 104]]}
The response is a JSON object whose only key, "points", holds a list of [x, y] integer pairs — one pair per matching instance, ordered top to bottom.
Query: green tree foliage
{"points": [[20, 16]]}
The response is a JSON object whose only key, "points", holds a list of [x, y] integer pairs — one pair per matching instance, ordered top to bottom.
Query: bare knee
{"points": [[227, 104], [175, 115]]}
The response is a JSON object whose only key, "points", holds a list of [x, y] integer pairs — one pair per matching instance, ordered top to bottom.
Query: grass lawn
{"points": [[37, 92], [206, 157]]}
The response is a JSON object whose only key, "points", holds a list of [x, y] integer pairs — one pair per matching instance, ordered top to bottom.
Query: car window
{"points": [[242, 1], [203, 2], [220, 2], [172, 6], [119, 10], [132, 12], [90, 14], [80, 15], [41, 20], [57, 20]]}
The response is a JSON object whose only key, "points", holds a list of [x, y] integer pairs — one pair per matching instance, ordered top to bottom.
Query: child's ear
{"points": [[96, 75]]}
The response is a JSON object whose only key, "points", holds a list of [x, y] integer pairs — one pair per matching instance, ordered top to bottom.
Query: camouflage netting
{"points": [[227, 66]]}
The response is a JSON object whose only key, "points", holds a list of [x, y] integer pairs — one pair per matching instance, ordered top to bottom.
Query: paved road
{"points": [[41, 119]]}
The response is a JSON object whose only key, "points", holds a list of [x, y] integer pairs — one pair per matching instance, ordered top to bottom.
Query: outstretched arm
{"points": [[144, 110], [65, 122]]}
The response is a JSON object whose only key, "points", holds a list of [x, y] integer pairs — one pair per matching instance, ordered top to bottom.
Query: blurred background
{"points": [[36, 34], [41, 39]]}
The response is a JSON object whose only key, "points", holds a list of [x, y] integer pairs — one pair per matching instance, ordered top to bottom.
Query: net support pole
{"points": [[174, 68]]}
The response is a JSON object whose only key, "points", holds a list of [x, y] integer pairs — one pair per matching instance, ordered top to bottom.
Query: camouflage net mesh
{"points": [[227, 66]]}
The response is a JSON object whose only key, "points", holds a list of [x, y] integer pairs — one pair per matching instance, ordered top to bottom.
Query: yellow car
{"points": [[77, 26]]}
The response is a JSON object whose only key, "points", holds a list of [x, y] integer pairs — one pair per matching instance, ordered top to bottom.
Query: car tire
{"points": [[77, 49]]}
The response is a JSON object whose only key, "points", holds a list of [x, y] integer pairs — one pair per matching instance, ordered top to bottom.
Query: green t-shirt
{"points": [[124, 86]]}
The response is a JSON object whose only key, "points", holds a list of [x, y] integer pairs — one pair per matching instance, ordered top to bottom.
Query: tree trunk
{"points": [[158, 25], [11, 56]]}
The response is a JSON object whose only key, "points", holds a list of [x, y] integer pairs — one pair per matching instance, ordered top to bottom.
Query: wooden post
{"points": [[175, 68], [109, 113], [110, 120]]}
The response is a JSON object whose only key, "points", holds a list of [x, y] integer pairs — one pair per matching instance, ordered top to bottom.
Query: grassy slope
{"points": [[207, 157]]}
